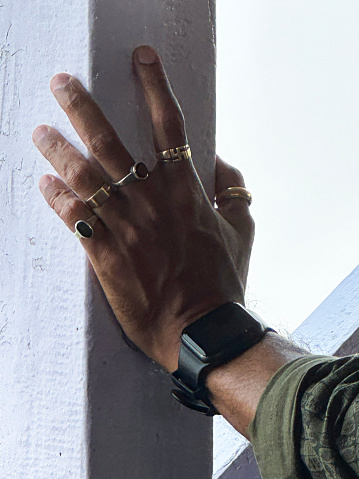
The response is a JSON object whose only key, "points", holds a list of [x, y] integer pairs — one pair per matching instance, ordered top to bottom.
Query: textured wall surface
{"points": [[42, 280], [75, 401]]}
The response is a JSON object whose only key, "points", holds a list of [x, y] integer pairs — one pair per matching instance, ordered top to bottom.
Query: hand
{"points": [[163, 255]]}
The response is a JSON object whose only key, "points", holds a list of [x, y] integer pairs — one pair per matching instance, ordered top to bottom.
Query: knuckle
{"points": [[157, 82], [74, 101], [169, 119], [103, 143], [55, 146], [77, 175], [54, 199], [58, 199], [68, 209], [132, 237]]}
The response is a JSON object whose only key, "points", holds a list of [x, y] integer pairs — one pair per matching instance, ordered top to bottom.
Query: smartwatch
{"points": [[211, 341]]}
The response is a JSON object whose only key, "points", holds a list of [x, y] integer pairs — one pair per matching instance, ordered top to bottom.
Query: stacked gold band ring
{"points": [[175, 154], [235, 192]]}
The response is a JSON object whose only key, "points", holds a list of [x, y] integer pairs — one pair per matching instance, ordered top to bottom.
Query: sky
{"points": [[288, 118]]}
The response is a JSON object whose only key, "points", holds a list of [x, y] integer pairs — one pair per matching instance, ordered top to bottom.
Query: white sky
{"points": [[288, 118]]}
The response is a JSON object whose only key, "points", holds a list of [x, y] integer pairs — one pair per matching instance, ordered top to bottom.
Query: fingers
{"points": [[166, 114], [91, 125], [79, 174], [227, 176], [68, 206], [234, 210]]}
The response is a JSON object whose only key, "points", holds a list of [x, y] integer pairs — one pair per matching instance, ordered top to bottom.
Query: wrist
{"points": [[213, 340], [236, 387]]}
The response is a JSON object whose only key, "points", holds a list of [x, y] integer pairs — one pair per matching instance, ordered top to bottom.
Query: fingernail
{"points": [[146, 55], [60, 81], [40, 133], [44, 182]]}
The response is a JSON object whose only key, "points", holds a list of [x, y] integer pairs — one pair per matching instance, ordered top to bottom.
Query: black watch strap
{"points": [[236, 330], [194, 398]]}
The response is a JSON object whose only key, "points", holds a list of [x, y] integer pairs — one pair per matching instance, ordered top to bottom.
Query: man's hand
{"points": [[163, 255]]}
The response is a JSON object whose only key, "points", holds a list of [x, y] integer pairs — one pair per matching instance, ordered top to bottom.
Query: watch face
{"points": [[212, 336]]}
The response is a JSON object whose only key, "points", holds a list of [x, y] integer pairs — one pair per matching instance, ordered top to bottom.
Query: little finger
{"points": [[234, 210]]}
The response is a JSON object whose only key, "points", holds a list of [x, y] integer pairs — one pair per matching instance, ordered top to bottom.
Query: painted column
{"points": [[75, 400]]}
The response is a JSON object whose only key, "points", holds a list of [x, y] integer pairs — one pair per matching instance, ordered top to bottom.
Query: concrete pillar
{"points": [[75, 401]]}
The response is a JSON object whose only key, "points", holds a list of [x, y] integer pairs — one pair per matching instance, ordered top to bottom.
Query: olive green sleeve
{"points": [[306, 423]]}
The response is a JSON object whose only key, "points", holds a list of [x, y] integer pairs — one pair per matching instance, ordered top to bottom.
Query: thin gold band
{"points": [[235, 192]]}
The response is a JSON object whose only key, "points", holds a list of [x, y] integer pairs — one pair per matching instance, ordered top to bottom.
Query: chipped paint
{"points": [[39, 263]]}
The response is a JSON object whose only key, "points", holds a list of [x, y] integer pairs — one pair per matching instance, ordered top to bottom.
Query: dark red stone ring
{"points": [[139, 171]]}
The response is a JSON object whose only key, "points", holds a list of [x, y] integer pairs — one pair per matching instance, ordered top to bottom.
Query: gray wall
{"points": [[135, 427]]}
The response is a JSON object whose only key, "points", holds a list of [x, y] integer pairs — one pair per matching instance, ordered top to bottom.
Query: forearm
{"points": [[236, 387]]}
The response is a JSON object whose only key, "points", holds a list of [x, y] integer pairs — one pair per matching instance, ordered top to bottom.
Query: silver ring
{"points": [[138, 172], [84, 229]]}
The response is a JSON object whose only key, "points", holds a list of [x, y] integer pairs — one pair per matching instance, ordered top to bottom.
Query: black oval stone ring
{"points": [[139, 171], [84, 229]]}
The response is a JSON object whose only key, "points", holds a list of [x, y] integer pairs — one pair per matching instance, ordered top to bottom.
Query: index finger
{"points": [[91, 125]]}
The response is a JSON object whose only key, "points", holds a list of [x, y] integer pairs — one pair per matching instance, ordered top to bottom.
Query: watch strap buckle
{"points": [[197, 400]]}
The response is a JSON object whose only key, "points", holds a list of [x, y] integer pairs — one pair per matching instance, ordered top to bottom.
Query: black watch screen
{"points": [[213, 335]]}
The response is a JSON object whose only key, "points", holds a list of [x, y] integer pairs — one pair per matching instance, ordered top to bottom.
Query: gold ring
{"points": [[175, 154], [235, 192], [101, 195], [84, 229]]}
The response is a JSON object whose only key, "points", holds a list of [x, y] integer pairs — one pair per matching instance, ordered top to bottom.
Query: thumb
{"points": [[234, 210]]}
